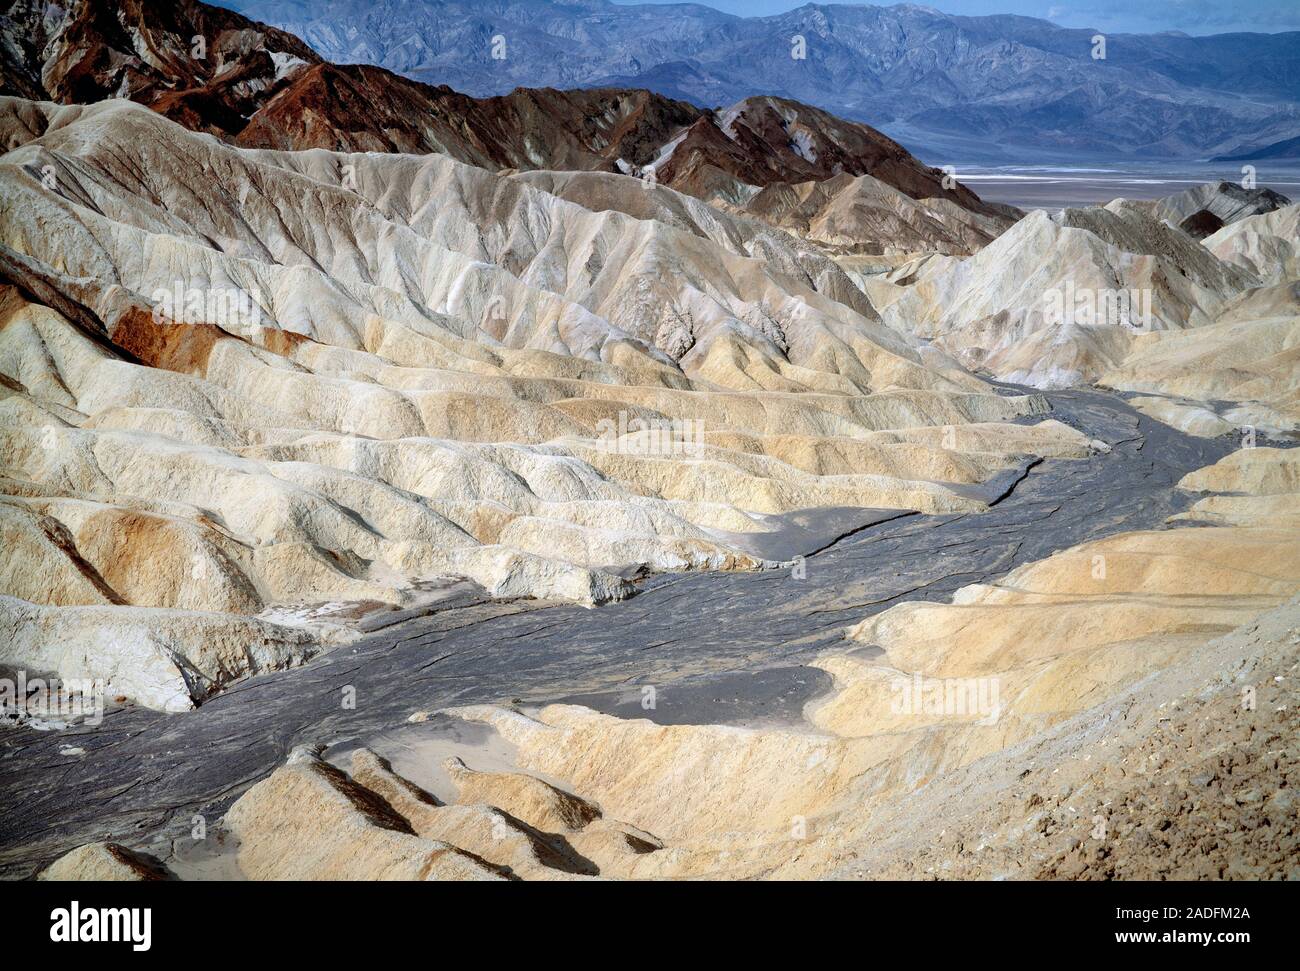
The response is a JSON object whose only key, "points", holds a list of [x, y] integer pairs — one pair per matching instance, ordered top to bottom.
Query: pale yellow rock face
{"points": [[1250, 358], [331, 377], [1191, 419], [1252, 471], [1281, 511], [535, 802], [478, 828], [102, 862]]}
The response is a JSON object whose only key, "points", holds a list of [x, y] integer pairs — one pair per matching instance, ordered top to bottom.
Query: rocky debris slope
{"points": [[213, 71], [333, 379], [1117, 709], [1187, 777]]}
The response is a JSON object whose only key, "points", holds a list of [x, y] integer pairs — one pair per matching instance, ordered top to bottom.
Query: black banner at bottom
{"points": [[336, 921]]}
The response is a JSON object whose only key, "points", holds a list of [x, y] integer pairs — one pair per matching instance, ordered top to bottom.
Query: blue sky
{"points": [[1133, 16]]}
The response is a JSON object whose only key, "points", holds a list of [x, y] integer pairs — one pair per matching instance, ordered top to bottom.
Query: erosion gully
{"points": [[717, 647]]}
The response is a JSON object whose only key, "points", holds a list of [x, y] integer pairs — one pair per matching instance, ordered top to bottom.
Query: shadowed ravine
{"points": [[700, 639]]}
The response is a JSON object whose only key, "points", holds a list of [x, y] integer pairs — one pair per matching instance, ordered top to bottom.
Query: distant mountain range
{"points": [[958, 88], [1287, 148], [796, 167]]}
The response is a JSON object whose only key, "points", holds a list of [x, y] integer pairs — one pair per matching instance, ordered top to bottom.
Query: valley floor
{"points": [[1095, 183], [718, 648]]}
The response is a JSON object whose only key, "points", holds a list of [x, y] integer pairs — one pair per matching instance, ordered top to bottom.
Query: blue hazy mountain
{"points": [[992, 87]]}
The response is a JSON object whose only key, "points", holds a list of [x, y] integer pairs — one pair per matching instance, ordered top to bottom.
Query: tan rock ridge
{"points": [[865, 215], [1059, 299], [1250, 472], [338, 830], [103, 862]]}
